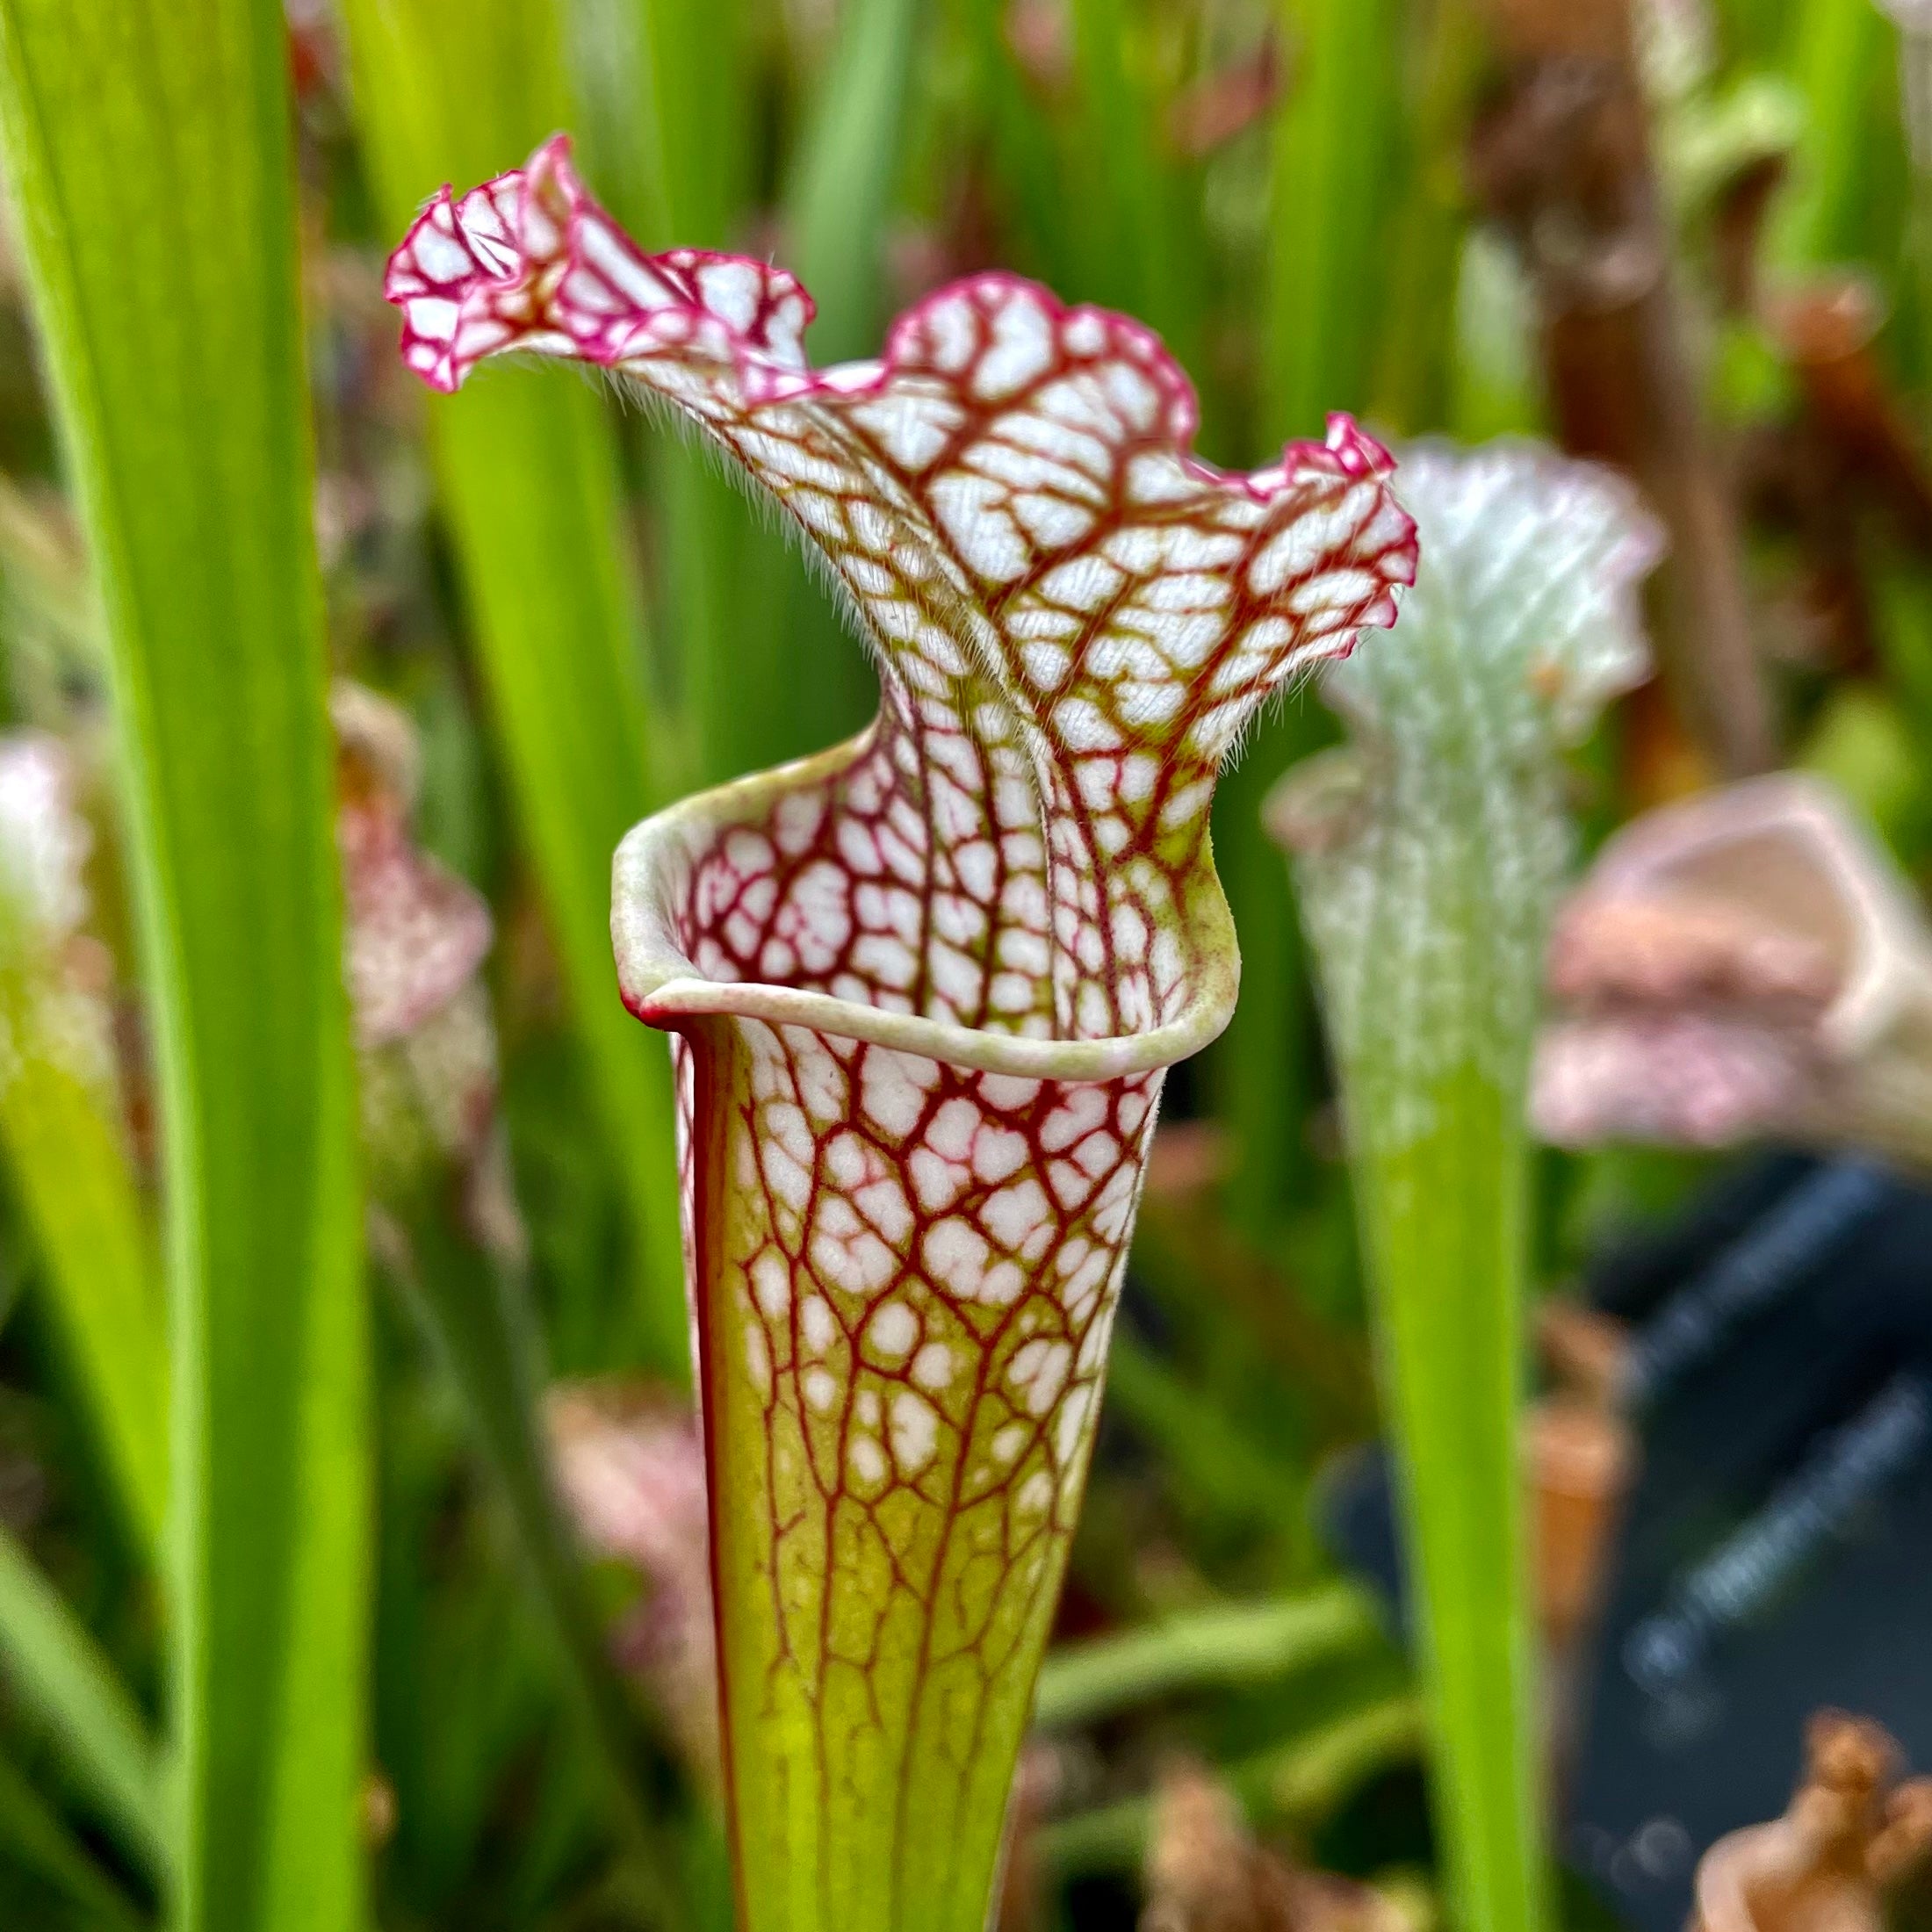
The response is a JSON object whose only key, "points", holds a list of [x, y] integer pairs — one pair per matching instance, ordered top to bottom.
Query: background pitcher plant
{"points": [[1427, 855], [925, 986]]}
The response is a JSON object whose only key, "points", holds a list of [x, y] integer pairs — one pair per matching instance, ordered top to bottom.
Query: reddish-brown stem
{"points": [[1566, 163]]}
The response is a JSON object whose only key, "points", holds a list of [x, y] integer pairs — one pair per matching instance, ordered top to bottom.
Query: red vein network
{"points": [[925, 987]]}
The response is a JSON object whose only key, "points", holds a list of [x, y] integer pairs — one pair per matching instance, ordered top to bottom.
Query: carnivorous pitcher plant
{"points": [[1427, 853], [924, 988]]}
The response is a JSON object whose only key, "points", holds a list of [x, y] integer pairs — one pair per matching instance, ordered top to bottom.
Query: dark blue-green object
{"points": [[1776, 1552]]}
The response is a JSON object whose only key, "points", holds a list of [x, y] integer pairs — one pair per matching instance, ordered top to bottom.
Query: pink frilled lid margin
{"points": [[1075, 617]]}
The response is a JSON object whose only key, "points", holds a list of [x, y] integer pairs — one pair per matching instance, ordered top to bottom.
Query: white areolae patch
{"points": [[818, 1323], [891, 1332], [932, 1368], [1038, 1373], [915, 1431], [868, 1460]]}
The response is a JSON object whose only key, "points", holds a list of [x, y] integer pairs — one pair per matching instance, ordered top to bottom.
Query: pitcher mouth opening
{"points": [[653, 879]]}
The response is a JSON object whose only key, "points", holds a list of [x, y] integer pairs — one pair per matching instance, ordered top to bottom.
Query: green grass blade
{"points": [[1842, 55], [665, 88], [459, 91], [665, 91], [148, 148], [1336, 150], [1334, 157], [1023, 170], [845, 171], [1121, 233], [1134, 248], [1414, 359], [710, 543], [782, 637], [790, 640], [1262, 1069], [72, 1173], [486, 1333], [1203, 1452], [1229, 1644], [56, 1670], [1296, 1784], [36, 1845]]}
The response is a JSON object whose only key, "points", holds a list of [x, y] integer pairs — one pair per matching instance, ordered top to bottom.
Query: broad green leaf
{"points": [[455, 89], [148, 147], [1428, 855], [55, 1669]]}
